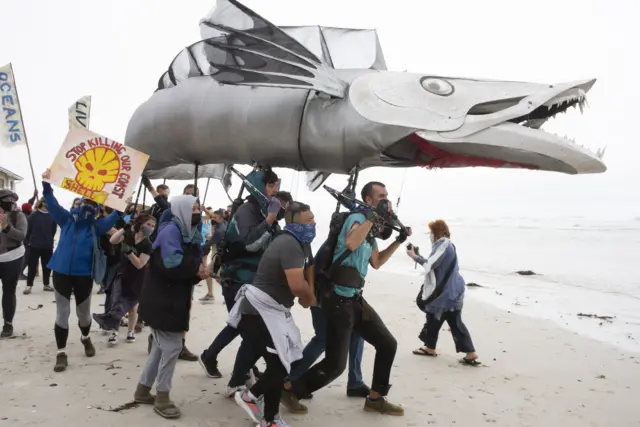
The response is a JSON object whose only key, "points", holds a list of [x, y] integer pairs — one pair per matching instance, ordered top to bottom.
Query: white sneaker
{"points": [[131, 337], [113, 340], [231, 391], [252, 406], [277, 422]]}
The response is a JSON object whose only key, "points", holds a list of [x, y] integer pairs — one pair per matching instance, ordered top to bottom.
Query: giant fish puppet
{"points": [[250, 92]]}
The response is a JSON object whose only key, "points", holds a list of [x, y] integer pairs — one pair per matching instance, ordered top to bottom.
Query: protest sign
{"points": [[80, 113], [98, 168]]}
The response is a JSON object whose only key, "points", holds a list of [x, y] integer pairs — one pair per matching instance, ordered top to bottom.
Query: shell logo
{"points": [[97, 167]]}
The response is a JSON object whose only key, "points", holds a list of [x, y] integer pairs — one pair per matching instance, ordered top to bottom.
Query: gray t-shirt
{"points": [[284, 253]]}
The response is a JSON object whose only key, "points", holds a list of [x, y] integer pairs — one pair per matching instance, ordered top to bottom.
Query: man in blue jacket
{"points": [[72, 264]]}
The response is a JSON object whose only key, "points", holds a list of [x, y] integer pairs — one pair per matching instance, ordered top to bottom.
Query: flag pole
{"points": [[26, 141]]}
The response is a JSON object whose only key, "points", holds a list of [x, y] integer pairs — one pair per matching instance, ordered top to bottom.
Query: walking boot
{"points": [[143, 395], [164, 406]]}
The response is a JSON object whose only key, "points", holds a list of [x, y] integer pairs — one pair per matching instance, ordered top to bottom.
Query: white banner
{"points": [[80, 113], [12, 132]]}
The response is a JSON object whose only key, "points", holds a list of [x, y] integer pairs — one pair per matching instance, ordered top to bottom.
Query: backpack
{"points": [[323, 259]]}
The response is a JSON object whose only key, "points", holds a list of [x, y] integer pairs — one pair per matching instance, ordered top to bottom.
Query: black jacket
{"points": [[41, 230], [165, 301]]}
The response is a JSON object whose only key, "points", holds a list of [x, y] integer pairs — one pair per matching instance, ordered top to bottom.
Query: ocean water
{"points": [[582, 266]]}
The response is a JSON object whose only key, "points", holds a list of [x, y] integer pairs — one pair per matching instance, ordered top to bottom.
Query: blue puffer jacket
{"points": [[74, 254]]}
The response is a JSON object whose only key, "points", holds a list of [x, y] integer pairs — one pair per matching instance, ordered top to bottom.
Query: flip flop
{"points": [[422, 352], [470, 362]]}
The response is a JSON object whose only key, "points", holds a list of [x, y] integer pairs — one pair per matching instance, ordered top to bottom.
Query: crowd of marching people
{"points": [[147, 261]]}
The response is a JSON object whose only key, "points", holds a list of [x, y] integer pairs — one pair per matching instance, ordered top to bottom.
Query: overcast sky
{"points": [[116, 51]]}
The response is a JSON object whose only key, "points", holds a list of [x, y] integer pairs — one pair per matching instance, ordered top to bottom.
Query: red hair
{"points": [[439, 229]]}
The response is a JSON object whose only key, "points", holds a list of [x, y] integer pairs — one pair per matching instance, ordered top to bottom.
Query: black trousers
{"points": [[44, 255], [9, 273], [81, 287], [344, 316], [253, 329], [460, 333]]}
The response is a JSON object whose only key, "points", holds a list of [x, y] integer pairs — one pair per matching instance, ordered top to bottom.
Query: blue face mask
{"points": [[83, 212], [305, 233]]}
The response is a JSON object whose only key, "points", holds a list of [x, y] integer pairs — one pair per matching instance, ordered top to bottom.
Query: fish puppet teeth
{"points": [[321, 99]]}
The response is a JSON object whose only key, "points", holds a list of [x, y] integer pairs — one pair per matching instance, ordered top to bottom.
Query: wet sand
{"points": [[534, 373]]}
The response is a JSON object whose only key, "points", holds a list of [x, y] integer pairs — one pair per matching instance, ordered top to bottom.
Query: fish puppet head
{"points": [[459, 122]]}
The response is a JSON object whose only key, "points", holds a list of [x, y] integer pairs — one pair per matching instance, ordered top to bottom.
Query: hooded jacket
{"points": [[248, 235], [74, 254], [165, 300]]}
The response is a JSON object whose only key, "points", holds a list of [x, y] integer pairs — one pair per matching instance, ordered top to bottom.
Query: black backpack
{"points": [[323, 259]]}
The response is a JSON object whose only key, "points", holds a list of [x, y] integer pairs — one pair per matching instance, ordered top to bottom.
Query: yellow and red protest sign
{"points": [[98, 168]]}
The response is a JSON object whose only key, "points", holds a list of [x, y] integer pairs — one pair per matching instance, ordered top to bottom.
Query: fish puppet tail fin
{"points": [[246, 49]]}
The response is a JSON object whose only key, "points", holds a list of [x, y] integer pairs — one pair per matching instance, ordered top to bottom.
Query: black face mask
{"points": [[6, 205], [196, 218]]}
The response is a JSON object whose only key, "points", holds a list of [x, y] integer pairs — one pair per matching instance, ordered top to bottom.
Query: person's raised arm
{"points": [[32, 200], [59, 214], [105, 224], [360, 226], [255, 235], [117, 237], [379, 258], [435, 258], [140, 261]]}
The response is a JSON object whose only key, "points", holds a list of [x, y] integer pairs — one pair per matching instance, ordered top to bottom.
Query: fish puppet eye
{"points": [[437, 86]]}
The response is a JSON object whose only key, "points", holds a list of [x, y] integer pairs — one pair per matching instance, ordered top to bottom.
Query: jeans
{"points": [[44, 255], [9, 273], [344, 316], [254, 330], [460, 333], [227, 334], [315, 348], [245, 358], [161, 363]]}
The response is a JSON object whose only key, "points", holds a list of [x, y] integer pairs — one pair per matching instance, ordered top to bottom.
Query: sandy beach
{"points": [[534, 373]]}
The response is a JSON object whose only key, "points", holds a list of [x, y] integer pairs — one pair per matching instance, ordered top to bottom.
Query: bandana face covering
{"points": [[305, 233]]}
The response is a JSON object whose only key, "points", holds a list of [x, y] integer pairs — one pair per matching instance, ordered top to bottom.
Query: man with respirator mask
{"points": [[72, 266], [347, 311]]}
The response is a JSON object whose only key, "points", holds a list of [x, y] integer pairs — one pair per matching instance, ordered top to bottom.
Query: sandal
{"points": [[422, 352], [470, 362]]}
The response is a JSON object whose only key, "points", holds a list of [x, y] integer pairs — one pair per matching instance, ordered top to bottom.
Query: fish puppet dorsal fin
{"points": [[246, 49]]}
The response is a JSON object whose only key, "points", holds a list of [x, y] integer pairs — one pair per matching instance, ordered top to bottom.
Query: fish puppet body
{"points": [[250, 92]]}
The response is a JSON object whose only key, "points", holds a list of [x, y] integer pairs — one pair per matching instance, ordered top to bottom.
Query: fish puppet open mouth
{"points": [[251, 92]]}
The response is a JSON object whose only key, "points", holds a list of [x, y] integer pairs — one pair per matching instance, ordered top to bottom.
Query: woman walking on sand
{"points": [[13, 228], [127, 285], [442, 295], [165, 302]]}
